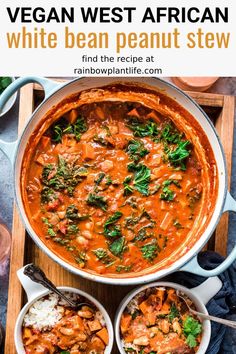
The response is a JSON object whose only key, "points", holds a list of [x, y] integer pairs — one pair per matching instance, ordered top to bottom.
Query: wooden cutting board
{"points": [[220, 109]]}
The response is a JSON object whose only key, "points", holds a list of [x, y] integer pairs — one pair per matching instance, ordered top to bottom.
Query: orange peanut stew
{"points": [[114, 187], [158, 321], [63, 330]]}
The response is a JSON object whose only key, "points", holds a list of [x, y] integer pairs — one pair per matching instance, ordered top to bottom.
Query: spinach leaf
{"points": [[97, 201], [117, 246]]}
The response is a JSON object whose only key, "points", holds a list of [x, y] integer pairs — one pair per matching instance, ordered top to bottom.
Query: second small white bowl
{"points": [[199, 295]]}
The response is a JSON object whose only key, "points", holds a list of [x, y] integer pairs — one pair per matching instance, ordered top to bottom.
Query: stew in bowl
{"points": [[158, 321]]}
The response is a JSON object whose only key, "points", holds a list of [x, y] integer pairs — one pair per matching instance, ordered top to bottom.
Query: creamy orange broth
{"points": [[131, 229]]}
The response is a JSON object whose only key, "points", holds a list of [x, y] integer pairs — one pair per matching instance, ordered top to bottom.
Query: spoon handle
{"points": [[37, 275], [215, 319]]}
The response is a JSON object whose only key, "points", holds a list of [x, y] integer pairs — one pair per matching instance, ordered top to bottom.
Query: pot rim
{"points": [[149, 277], [196, 300], [98, 304]]}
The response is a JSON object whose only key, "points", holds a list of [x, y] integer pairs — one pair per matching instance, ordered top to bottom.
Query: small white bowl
{"points": [[10, 102], [35, 292], [199, 295]]}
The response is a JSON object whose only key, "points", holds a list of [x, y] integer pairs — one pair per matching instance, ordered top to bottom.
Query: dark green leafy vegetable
{"points": [[4, 82], [64, 127], [79, 127], [143, 128], [170, 134], [101, 140], [136, 150], [178, 156], [65, 176], [142, 176], [100, 177], [142, 179], [108, 180], [168, 182], [128, 189], [167, 194], [48, 195], [193, 196], [97, 201], [72, 212], [46, 222], [177, 224], [72, 229], [111, 230], [51, 232], [143, 233], [117, 246], [150, 250], [103, 256], [81, 258], [121, 268], [174, 312], [191, 328]]}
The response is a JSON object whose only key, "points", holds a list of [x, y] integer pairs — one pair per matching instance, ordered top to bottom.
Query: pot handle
{"points": [[49, 87], [9, 149], [193, 266], [31, 288], [208, 289]]}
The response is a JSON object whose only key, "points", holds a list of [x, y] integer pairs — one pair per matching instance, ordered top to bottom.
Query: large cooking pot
{"points": [[55, 93]]}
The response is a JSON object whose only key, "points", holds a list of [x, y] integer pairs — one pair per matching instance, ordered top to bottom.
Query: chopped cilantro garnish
{"points": [[191, 328]]}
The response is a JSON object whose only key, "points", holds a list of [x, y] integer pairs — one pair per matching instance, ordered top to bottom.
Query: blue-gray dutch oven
{"points": [[54, 93]]}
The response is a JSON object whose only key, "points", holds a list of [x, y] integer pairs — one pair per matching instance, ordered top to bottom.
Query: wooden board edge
{"points": [[226, 129], [15, 291]]}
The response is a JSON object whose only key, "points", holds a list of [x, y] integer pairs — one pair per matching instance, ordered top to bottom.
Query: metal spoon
{"points": [[37, 275], [204, 316]]}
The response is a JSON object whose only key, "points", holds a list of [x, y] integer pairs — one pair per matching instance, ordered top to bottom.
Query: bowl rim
{"points": [[196, 300], [98, 304]]}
